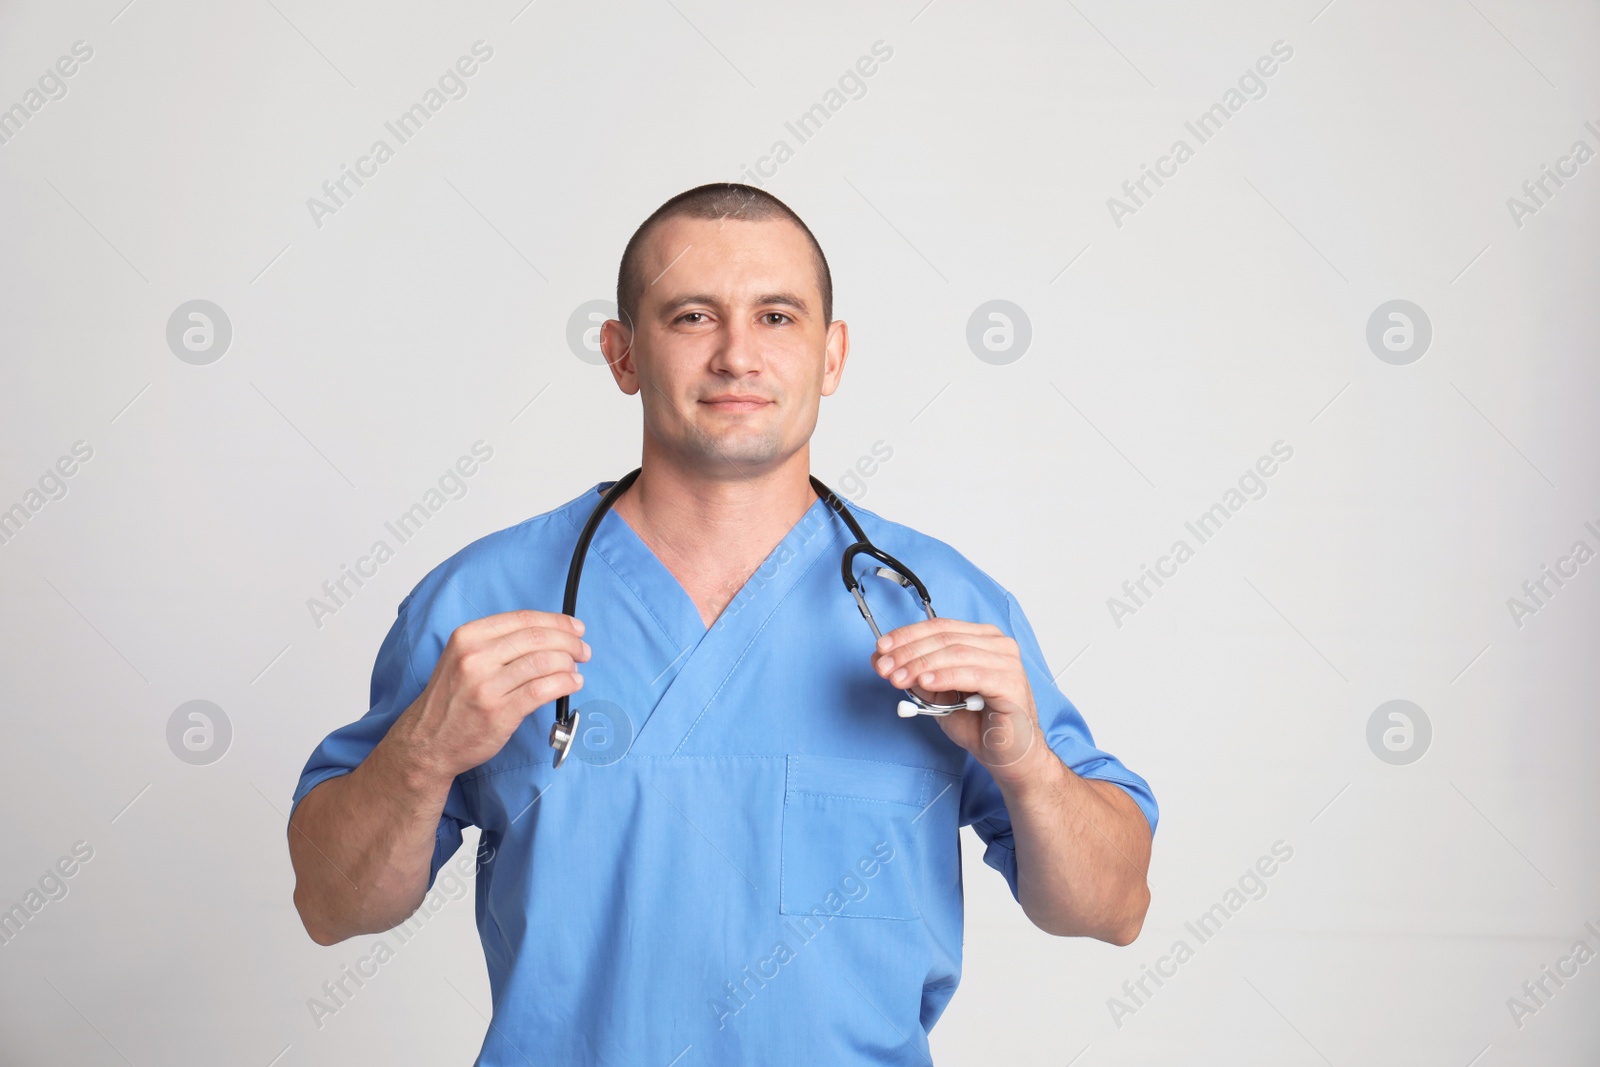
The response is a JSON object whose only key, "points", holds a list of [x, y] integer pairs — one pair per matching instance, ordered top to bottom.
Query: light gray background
{"points": [[1167, 354]]}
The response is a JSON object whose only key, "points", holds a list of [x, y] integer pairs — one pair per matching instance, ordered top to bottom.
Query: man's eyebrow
{"points": [[786, 299], [683, 301]]}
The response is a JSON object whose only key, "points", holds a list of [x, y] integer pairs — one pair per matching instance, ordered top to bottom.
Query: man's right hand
{"points": [[492, 674], [362, 843]]}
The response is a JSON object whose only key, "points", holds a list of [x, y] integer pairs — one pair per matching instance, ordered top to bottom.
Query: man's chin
{"points": [[736, 451]]}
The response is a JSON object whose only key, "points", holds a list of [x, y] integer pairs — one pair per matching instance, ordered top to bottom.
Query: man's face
{"points": [[730, 309]]}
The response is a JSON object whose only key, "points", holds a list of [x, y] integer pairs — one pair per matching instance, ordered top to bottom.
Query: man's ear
{"points": [[616, 344], [834, 356]]}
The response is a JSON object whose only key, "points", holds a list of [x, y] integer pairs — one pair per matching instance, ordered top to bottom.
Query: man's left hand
{"points": [[941, 660]]}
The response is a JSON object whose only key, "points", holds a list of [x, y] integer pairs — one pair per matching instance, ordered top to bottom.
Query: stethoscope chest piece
{"points": [[562, 736]]}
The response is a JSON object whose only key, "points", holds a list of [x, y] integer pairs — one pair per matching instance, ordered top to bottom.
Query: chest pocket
{"points": [[850, 837]]}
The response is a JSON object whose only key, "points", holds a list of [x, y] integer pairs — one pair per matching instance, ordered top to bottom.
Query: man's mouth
{"points": [[737, 403]]}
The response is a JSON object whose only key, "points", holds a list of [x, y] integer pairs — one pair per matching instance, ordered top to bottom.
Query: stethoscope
{"points": [[565, 729]]}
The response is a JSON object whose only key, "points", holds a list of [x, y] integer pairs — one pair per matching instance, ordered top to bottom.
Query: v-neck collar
{"points": [[625, 552], [635, 563], [706, 654]]}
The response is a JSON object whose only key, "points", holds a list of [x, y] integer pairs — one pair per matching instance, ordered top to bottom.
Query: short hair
{"points": [[718, 200]]}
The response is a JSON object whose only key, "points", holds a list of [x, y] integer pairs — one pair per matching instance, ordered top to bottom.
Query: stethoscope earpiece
{"points": [[915, 705]]}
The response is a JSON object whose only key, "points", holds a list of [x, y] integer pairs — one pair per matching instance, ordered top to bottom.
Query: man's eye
{"points": [[776, 315], [686, 316]]}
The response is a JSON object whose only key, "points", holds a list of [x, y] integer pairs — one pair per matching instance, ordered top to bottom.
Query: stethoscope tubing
{"points": [[912, 704], [565, 728], [563, 732]]}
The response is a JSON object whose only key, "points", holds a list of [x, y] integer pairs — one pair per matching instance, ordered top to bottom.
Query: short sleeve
{"points": [[403, 667], [1067, 734]]}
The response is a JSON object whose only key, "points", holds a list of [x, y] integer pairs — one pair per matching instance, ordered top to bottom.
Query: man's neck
{"points": [[712, 533]]}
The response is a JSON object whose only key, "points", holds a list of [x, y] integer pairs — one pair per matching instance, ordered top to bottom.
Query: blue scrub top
{"points": [[771, 873]]}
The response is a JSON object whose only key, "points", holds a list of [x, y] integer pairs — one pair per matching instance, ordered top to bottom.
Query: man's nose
{"points": [[739, 348]]}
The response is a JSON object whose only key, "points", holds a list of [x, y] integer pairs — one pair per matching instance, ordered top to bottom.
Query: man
{"points": [[770, 872]]}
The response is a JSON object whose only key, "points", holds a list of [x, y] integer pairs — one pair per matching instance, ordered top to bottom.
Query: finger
{"points": [[916, 630], [479, 631], [503, 649], [905, 652], [533, 665], [905, 671], [914, 671], [965, 678], [535, 693]]}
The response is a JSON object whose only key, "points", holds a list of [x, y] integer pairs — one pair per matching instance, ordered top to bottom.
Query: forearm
{"points": [[362, 843], [1083, 850]]}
